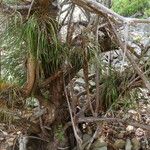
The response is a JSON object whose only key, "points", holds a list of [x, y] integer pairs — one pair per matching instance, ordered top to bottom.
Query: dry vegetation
{"points": [[44, 46]]}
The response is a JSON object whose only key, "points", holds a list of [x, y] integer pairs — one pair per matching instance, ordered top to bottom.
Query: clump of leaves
{"points": [[129, 8], [34, 36], [110, 90], [6, 116], [59, 133]]}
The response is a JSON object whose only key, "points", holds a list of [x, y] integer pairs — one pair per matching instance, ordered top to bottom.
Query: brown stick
{"points": [[100, 9], [131, 59], [85, 71], [97, 74], [31, 75], [51, 78], [96, 119], [98, 129], [78, 139]]}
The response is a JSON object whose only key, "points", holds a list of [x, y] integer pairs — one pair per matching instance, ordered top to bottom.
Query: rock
{"points": [[146, 29], [145, 42], [80, 73], [91, 76], [80, 81], [92, 83], [77, 88], [82, 89], [32, 102], [131, 111], [147, 120], [130, 128], [114, 132], [139, 132], [121, 134], [86, 137], [99, 143], [119, 144], [136, 144], [128, 145], [75, 148], [101, 148]]}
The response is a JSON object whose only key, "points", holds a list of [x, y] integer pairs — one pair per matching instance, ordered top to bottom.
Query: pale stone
{"points": [[129, 128], [119, 143], [136, 144], [128, 145]]}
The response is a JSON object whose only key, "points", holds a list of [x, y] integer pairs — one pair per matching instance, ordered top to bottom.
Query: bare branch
{"points": [[9, 8], [100, 9], [113, 19], [131, 59], [96, 119], [78, 139]]}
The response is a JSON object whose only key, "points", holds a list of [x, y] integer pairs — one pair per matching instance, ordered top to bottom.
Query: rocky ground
{"points": [[133, 134], [112, 135], [116, 135]]}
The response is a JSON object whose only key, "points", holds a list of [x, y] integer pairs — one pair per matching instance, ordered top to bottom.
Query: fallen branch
{"points": [[9, 8], [100, 9], [113, 19], [96, 119]]}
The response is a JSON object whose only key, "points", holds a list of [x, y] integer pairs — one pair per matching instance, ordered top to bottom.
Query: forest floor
{"points": [[132, 132]]}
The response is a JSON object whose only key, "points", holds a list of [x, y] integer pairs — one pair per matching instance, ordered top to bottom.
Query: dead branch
{"points": [[5, 8], [101, 10], [113, 19], [130, 57], [85, 72], [31, 75], [97, 76], [51, 79], [96, 119], [98, 129], [78, 139]]}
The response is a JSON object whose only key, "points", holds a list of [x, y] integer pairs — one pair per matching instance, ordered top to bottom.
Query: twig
{"points": [[8, 8], [30, 8], [100, 9], [64, 19], [70, 28], [131, 59], [85, 72], [51, 78], [97, 78], [94, 119], [94, 137], [38, 138], [78, 139], [63, 148]]}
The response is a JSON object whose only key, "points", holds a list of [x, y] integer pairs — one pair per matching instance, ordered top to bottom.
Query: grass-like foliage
{"points": [[129, 8], [33, 36]]}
